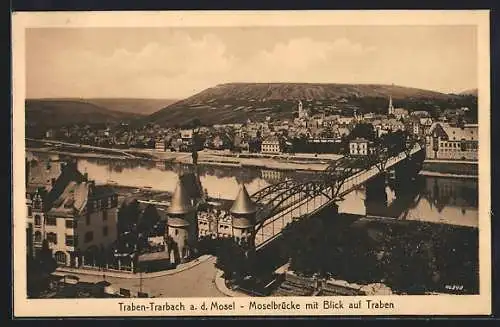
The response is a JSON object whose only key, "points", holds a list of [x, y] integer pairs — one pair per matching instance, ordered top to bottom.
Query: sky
{"points": [[174, 62]]}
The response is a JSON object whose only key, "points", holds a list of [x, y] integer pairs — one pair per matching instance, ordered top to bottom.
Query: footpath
{"points": [[127, 275], [220, 283]]}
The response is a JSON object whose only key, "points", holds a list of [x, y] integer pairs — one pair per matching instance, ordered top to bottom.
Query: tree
{"points": [[363, 130], [395, 142], [128, 216], [149, 218], [231, 259], [47, 261], [39, 270]]}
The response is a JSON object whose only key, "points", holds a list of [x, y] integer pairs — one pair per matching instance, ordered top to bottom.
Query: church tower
{"points": [[391, 107], [302, 112], [243, 218], [182, 225]]}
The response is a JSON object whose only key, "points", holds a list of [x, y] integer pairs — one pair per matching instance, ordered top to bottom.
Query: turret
{"points": [[243, 214], [182, 225]]}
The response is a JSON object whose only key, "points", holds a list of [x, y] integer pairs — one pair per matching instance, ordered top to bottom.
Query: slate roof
{"points": [[243, 205]]}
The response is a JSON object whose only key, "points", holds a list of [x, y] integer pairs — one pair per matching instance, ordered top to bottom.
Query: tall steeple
{"points": [[391, 107]]}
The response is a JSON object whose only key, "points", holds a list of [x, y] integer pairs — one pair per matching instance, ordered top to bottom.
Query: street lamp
{"points": [[140, 278]]}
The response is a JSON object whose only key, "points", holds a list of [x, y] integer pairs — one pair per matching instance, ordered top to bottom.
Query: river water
{"points": [[434, 199]]}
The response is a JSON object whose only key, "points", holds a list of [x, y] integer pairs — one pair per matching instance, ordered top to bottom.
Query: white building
{"points": [[160, 145], [271, 145], [360, 147]]}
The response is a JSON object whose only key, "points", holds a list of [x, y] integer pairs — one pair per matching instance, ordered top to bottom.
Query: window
{"points": [[30, 211], [105, 215], [87, 219], [38, 220], [51, 221], [71, 224], [105, 231], [176, 231], [38, 236], [89, 236], [52, 238], [70, 240], [60, 257]]}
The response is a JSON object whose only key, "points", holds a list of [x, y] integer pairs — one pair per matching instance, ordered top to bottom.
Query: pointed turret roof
{"points": [[181, 203], [243, 205]]}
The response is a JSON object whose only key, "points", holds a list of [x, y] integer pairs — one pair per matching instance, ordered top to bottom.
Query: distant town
{"points": [[451, 135], [74, 223]]}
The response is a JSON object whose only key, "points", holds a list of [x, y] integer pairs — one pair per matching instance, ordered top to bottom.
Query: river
{"points": [[434, 199]]}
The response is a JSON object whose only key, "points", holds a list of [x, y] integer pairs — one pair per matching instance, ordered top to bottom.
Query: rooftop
{"points": [[181, 202], [243, 205]]}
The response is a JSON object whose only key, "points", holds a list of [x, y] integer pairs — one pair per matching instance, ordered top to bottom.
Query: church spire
{"points": [[391, 107]]}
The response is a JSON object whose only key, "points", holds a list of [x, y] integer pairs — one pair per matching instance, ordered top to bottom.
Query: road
{"points": [[197, 281]]}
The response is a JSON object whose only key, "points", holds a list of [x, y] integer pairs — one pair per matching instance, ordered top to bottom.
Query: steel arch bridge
{"points": [[281, 203]]}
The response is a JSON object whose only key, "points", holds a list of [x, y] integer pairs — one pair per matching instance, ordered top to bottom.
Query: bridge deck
{"points": [[299, 207]]}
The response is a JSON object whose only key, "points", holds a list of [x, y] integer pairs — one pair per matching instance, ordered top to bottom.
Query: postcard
{"points": [[253, 163]]}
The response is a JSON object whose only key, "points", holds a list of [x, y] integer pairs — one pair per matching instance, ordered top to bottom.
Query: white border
{"points": [[405, 305]]}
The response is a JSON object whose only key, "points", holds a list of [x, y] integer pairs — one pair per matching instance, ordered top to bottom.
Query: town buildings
{"points": [[444, 141], [77, 217]]}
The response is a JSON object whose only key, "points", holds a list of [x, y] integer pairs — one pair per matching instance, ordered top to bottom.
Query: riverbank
{"points": [[78, 155], [283, 162], [445, 168], [445, 175]]}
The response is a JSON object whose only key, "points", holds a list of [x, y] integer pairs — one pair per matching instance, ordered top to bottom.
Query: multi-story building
{"points": [[400, 113], [419, 126], [444, 141], [160, 145], [271, 145], [360, 147], [77, 217], [214, 224], [29, 226]]}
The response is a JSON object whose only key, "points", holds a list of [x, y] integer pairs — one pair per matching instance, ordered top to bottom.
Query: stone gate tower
{"points": [[243, 214], [182, 225]]}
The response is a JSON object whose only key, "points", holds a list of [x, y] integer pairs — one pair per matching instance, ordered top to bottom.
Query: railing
{"points": [[350, 183]]}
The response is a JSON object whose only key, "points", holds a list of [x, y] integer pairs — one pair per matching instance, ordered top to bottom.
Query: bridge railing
{"points": [[267, 228]]}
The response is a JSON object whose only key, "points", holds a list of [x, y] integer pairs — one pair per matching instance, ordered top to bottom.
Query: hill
{"points": [[469, 92], [236, 102], [132, 105], [58, 112]]}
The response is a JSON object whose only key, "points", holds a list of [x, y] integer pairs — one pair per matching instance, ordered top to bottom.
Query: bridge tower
{"points": [[243, 214], [182, 225]]}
